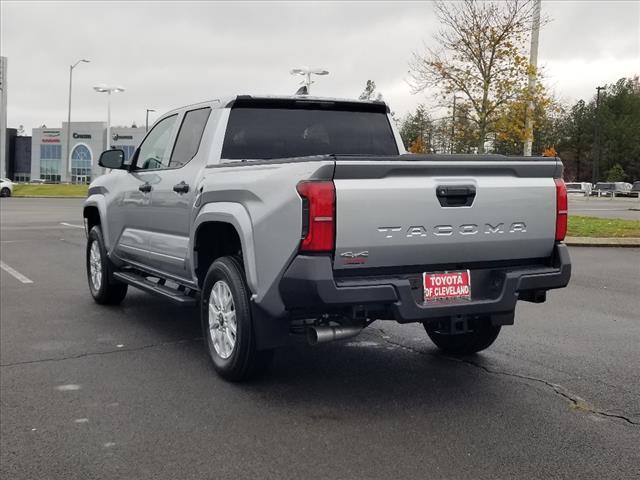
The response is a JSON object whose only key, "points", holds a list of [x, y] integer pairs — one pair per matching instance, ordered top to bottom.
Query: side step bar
{"points": [[172, 294]]}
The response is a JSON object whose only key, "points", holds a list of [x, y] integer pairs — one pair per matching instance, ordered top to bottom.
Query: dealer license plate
{"points": [[446, 285]]}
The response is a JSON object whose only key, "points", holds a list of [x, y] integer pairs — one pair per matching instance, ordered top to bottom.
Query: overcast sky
{"points": [[168, 54]]}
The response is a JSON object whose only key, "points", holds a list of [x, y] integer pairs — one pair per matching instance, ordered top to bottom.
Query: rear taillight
{"points": [[561, 209], [318, 216]]}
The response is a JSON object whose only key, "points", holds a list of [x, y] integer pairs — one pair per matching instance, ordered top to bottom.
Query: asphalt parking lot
{"points": [[606, 207], [127, 392]]}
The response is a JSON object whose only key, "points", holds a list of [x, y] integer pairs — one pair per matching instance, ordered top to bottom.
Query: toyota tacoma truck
{"points": [[278, 216]]}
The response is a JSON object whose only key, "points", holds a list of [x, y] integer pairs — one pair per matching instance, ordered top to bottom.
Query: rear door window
{"points": [[189, 137]]}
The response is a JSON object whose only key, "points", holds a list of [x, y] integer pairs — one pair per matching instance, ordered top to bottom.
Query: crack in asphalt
{"points": [[106, 352], [575, 401]]}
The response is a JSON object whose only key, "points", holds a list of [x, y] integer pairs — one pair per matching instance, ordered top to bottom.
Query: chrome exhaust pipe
{"points": [[324, 334]]}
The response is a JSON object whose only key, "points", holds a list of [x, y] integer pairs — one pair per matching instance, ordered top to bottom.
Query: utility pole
{"points": [[533, 67], [453, 125], [596, 158], [65, 163]]}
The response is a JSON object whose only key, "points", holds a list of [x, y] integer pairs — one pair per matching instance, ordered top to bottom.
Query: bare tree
{"points": [[481, 55]]}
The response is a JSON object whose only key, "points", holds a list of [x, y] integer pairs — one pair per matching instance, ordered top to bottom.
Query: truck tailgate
{"points": [[428, 210]]}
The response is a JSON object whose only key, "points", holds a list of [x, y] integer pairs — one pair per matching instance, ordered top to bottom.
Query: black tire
{"points": [[5, 192], [108, 291], [481, 336], [242, 361]]}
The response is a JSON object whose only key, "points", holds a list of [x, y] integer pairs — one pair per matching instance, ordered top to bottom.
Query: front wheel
{"points": [[5, 192], [104, 289], [227, 324], [481, 335]]}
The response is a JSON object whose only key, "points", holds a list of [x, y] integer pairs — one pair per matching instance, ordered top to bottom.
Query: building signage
{"points": [[81, 135], [50, 136], [117, 137]]}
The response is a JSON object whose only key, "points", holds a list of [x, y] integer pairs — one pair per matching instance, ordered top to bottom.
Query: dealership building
{"points": [[87, 140]]}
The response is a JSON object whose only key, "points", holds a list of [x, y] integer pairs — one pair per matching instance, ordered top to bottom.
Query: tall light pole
{"points": [[71, 67], [533, 67], [307, 72], [102, 88], [146, 123], [453, 124], [596, 158]]}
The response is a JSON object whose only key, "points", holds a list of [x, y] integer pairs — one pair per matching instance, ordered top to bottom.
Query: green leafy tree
{"points": [[619, 118], [620, 126], [417, 129], [465, 133], [575, 145], [616, 173]]}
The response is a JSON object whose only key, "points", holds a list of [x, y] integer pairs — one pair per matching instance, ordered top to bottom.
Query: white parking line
{"points": [[71, 225], [14, 273]]}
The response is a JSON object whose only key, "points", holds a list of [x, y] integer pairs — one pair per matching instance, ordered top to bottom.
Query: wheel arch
{"points": [[94, 213], [226, 228]]}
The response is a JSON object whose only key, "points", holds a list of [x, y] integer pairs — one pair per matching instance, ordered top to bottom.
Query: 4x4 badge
{"points": [[363, 254]]}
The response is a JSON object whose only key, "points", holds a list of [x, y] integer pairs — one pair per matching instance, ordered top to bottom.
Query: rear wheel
{"points": [[104, 289], [227, 324], [480, 336]]}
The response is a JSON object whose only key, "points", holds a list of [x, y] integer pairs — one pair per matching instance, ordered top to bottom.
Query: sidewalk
{"points": [[602, 242]]}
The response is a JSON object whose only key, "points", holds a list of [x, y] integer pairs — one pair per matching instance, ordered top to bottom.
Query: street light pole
{"points": [[71, 67], [102, 88], [109, 120], [146, 123], [453, 124], [596, 159]]}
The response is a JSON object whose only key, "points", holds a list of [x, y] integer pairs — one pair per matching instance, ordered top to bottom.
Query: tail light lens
{"points": [[561, 209], [318, 216]]}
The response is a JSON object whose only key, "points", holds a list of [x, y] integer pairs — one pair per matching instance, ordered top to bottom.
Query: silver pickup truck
{"points": [[298, 215]]}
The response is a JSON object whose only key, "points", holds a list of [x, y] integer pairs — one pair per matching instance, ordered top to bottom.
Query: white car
{"points": [[6, 187], [582, 188]]}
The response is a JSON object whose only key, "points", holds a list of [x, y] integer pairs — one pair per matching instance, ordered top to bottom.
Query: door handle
{"points": [[181, 187], [145, 188], [456, 195]]}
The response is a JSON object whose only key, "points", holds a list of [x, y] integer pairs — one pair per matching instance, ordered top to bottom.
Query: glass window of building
{"points": [[128, 151], [50, 159], [81, 164]]}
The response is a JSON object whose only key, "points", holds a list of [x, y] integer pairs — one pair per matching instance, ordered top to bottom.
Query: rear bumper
{"points": [[309, 285]]}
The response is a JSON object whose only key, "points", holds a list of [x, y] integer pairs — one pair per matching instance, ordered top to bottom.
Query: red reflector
{"points": [[561, 209], [320, 232]]}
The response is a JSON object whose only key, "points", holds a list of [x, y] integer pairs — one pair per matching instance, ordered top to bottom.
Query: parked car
{"points": [[37, 180], [6, 187], [582, 188], [606, 189], [635, 189], [279, 216]]}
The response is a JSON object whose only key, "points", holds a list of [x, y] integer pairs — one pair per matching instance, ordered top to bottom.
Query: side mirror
{"points": [[112, 159]]}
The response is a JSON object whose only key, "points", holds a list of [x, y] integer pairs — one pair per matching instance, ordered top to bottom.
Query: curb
{"points": [[45, 196], [602, 242]]}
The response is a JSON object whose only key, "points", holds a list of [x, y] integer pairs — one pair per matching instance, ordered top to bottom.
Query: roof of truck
{"points": [[231, 100]]}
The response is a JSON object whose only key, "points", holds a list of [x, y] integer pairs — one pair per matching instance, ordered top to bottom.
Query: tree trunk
{"points": [[482, 127]]}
